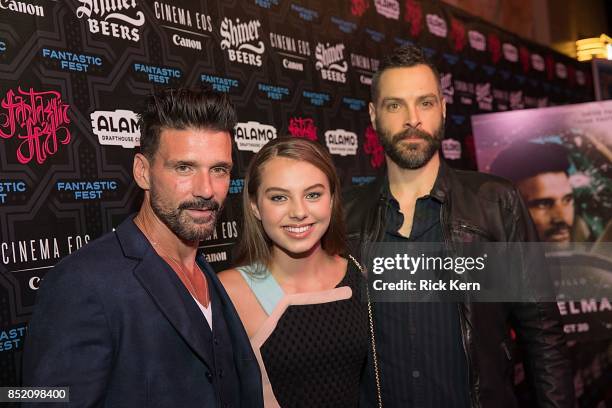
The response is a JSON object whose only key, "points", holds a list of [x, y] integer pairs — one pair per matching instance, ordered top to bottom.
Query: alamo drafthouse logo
{"points": [[388, 8], [112, 18], [242, 40], [331, 62], [116, 128], [252, 136], [341, 142]]}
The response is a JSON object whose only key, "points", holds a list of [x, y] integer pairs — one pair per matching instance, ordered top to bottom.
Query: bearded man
{"points": [[137, 317], [446, 354]]}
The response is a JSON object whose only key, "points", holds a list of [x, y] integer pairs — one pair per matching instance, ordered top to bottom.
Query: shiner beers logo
{"points": [[112, 18], [242, 40], [331, 62], [116, 128], [252, 136]]}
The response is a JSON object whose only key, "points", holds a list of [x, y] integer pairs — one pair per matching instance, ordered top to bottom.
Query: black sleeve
{"points": [[68, 341]]}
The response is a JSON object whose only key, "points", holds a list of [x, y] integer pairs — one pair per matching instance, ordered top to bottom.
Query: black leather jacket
{"points": [[477, 207]]}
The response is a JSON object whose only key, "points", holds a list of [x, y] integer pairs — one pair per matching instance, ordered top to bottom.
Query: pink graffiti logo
{"points": [[359, 7], [414, 16], [457, 34], [494, 46], [525, 58], [37, 119], [303, 127], [373, 148]]}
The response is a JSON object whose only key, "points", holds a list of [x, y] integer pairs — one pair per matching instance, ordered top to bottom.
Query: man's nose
{"points": [[412, 118], [202, 186], [557, 213]]}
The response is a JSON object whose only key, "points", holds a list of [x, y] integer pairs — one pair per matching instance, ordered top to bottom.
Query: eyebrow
{"points": [[428, 96], [419, 98], [391, 99], [173, 163], [227, 165], [282, 190], [538, 201]]}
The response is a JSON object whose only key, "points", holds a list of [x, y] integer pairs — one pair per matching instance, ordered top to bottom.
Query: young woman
{"points": [[303, 305]]}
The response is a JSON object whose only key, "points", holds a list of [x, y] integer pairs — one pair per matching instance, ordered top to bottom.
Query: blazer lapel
{"points": [[167, 291]]}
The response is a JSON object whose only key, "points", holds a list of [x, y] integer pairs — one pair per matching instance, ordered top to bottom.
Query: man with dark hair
{"points": [[540, 173], [137, 317], [446, 354]]}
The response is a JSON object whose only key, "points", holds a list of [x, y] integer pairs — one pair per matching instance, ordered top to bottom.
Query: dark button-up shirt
{"points": [[421, 357]]}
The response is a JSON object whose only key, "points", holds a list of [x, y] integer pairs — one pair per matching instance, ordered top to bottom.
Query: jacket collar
{"points": [[440, 189], [166, 290]]}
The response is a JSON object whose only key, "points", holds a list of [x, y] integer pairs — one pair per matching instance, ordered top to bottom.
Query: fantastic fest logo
{"points": [[112, 18], [242, 40], [331, 62], [38, 119], [116, 128], [303, 128], [373, 148]]}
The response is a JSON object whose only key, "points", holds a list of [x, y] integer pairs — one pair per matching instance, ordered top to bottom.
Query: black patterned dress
{"points": [[312, 348]]}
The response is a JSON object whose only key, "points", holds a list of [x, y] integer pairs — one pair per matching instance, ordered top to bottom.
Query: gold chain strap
{"points": [[371, 319]]}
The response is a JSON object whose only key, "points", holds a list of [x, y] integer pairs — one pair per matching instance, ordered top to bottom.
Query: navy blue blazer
{"points": [[114, 323]]}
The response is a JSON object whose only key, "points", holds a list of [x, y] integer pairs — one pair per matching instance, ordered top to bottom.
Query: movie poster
{"points": [[560, 160]]}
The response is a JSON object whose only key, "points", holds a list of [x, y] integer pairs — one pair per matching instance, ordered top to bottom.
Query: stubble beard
{"points": [[411, 156], [182, 224]]}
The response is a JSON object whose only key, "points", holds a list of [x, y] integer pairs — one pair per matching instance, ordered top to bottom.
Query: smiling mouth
{"points": [[298, 229]]}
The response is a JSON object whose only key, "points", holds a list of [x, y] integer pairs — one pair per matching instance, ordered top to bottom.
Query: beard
{"points": [[411, 156], [181, 223], [560, 227]]}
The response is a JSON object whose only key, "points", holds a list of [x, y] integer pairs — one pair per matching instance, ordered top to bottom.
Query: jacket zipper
{"points": [[474, 401]]}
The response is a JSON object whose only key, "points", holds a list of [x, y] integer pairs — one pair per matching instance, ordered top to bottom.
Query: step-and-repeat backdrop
{"points": [[73, 74]]}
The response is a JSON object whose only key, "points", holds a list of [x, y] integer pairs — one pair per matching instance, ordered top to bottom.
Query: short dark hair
{"points": [[404, 56], [182, 108], [522, 160]]}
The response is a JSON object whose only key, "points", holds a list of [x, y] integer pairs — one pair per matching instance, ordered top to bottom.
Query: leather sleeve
{"points": [[539, 329]]}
